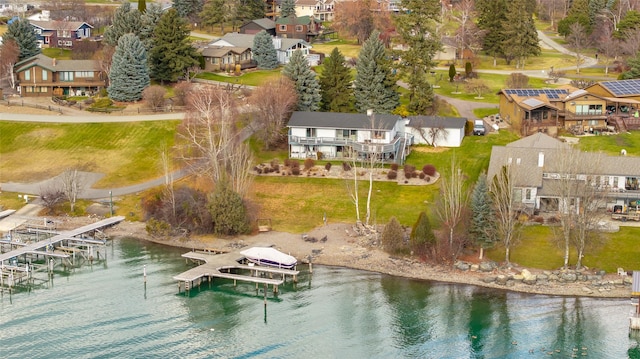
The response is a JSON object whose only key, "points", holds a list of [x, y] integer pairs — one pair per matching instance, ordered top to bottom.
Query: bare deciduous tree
{"points": [[354, 18], [578, 41], [608, 46], [9, 52], [104, 58], [477, 86], [154, 96], [273, 104], [213, 144], [71, 185], [502, 187], [51, 197], [453, 199]]}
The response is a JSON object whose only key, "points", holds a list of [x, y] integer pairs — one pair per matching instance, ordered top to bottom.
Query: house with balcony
{"points": [[298, 27], [63, 34], [285, 48], [225, 58], [41, 75], [623, 102], [532, 110], [584, 112], [348, 136], [538, 163]]}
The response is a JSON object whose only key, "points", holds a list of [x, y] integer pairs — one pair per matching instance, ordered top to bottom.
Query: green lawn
{"points": [[348, 48], [60, 54], [251, 78], [612, 145]]}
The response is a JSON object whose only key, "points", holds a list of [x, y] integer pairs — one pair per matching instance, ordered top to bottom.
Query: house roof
{"points": [[297, 20], [264, 23], [58, 25], [235, 39], [219, 51], [46, 62], [622, 88], [551, 94], [342, 120], [436, 121], [538, 140]]}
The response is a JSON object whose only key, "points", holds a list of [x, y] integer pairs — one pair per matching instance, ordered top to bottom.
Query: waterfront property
{"points": [[230, 265]]}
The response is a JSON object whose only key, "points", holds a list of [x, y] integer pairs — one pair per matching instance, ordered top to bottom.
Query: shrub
{"points": [[180, 92], [154, 96], [89, 101], [319, 155], [287, 162], [309, 163], [294, 164], [327, 166], [346, 166], [275, 167], [394, 167], [259, 170], [408, 170], [429, 170], [295, 171], [414, 174], [392, 175], [422, 175], [427, 178], [228, 212], [158, 228], [392, 236]]}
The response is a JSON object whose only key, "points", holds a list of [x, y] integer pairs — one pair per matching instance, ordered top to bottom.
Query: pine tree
{"points": [[188, 8], [288, 8], [252, 9], [214, 12], [579, 12], [491, 19], [150, 20], [125, 21], [22, 33], [521, 37], [264, 52], [172, 53], [634, 68], [129, 74], [335, 84], [375, 84], [307, 87], [421, 94], [228, 211], [482, 226], [422, 234], [392, 236]]}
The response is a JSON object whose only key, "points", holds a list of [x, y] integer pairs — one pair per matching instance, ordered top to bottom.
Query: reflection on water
{"points": [[108, 311]]}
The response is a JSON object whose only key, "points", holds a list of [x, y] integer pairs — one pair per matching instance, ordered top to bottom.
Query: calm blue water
{"points": [[104, 311]]}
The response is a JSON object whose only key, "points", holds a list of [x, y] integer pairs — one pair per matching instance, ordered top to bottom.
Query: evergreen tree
{"points": [[142, 6], [188, 8], [288, 8], [252, 9], [214, 12], [578, 12], [491, 19], [150, 20], [125, 21], [627, 25], [417, 26], [22, 33], [521, 37], [264, 52], [172, 53], [634, 68], [452, 72], [129, 74], [335, 84], [375, 84], [307, 87], [228, 212], [482, 223], [392, 236], [422, 236]]}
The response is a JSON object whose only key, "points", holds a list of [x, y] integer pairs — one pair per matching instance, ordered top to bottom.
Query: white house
{"points": [[284, 46], [437, 131], [330, 135]]}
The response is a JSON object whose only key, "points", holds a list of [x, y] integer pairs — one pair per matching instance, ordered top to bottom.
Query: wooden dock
{"points": [[227, 265]]}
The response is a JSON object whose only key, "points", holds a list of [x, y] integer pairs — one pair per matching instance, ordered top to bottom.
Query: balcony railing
{"points": [[596, 114], [365, 147]]}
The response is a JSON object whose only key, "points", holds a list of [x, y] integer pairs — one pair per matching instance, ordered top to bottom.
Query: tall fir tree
{"points": [[188, 8], [288, 8], [252, 9], [214, 12], [578, 12], [491, 19], [150, 20], [125, 21], [417, 26], [22, 33], [521, 37], [264, 52], [172, 53], [634, 68], [129, 74], [335, 84], [375, 84], [307, 86], [482, 222], [422, 234], [392, 236]]}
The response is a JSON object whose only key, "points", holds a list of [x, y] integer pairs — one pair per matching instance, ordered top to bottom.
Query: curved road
{"points": [[465, 108]]}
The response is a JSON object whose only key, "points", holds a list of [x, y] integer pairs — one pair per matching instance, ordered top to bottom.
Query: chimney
{"points": [[54, 61], [541, 159]]}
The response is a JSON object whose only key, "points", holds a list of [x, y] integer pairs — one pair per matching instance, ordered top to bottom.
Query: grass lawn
{"points": [[348, 48], [60, 54], [251, 78], [612, 145], [126, 152]]}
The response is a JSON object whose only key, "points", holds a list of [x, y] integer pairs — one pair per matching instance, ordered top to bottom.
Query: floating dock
{"points": [[228, 265]]}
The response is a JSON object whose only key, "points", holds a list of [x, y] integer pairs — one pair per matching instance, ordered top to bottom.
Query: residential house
{"points": [[8, 7], [320, 9], [255, 26], [298, 27], [53, 33], [284, 47], [449, 51], [225, 58], [41, 75], [623, 102], [532, 110], [584, 112], [437, 131], [330, 135], [538, 162]]}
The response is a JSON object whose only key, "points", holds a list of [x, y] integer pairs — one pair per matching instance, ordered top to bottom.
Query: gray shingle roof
{"points": [[264, 23], [58, 25], [246, 40], [61, 65], [342, 120], [436, 121]]}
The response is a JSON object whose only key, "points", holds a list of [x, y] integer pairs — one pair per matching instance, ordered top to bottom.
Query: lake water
{"points": [[105, 311]]}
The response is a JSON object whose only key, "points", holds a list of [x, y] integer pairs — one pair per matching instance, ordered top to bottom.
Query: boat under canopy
{"points": [[268, 256]]}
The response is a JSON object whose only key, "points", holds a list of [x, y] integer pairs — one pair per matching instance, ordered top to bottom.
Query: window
{"points": [[283, 27], [299, 28], [84, 74], [27, 75], [45, 75], [66, 76], [28, 88], [311, 132], [378, 134], [518, 160], [527, 193]]}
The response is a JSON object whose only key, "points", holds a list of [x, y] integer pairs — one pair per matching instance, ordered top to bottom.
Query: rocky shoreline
{"points": [[343, 249]]}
